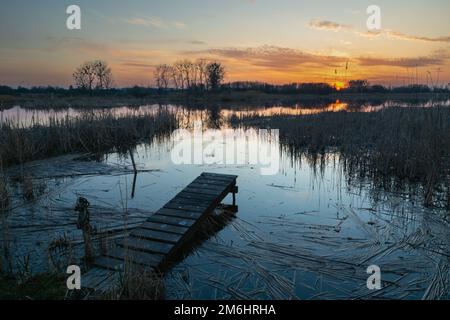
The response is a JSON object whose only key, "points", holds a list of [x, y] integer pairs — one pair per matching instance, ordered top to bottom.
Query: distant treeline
{"points": [[356, 86]]}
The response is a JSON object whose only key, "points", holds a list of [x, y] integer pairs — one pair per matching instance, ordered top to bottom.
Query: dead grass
{"points": [[92, 132], [391, 147]]}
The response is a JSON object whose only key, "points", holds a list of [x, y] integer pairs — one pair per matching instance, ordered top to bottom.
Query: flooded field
{"points": [[25, 117], [306, 232]]}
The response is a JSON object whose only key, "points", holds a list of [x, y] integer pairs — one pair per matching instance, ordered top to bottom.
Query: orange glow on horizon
{"points": [[339, 85]]}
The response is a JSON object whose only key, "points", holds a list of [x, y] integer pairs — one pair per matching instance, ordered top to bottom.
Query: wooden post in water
{"points": [[135, 174], [84, 225]]}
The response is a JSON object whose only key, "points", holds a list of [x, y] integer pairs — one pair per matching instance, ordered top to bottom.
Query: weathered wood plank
{"points": [[227, 177], [212, 181], [206, 186], [201, 190], [195, 196], [194, 202], [186, 207], [193, 215], [171, 220], [158, 226], [156, 235], [145, 245], [143, 258], [110, 263], [94, 277], [110, 284]]}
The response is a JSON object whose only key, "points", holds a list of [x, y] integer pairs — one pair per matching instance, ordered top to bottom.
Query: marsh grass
{"points": [[91, 132], [392, 147], [4, 195], [140, 284], [39, 287]]}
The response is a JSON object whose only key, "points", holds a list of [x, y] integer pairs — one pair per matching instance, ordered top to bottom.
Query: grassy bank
{"points": [[223, 98], [89, 133], [390, 147], [39, 287]]}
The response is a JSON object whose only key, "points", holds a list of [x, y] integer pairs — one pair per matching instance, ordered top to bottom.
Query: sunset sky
{"points": [[263, 40]]}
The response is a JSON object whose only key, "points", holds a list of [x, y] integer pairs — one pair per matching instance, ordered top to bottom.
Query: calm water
{"points": [[23, 117], [304, 232]]}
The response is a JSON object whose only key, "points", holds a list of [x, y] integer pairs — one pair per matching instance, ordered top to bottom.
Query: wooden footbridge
{"points": [[157, 242]]}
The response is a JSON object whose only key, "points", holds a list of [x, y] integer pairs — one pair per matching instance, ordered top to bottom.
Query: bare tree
{"points": [[103, 73], [163, 73], [202, 73], [178, 74], [185, 74], [93, 75], [215, 75], [84, 76]]}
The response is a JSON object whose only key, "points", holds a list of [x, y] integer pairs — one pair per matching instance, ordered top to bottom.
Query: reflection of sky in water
{"points": [[25, 117], [300, 233]]}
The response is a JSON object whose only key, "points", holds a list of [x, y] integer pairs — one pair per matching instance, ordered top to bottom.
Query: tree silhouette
{"points": [[93, 75], [215, 75]]}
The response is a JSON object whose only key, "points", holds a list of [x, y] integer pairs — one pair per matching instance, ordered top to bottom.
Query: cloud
{"points": [[154, 22], [179, 25], [328, 25], [403, 36], [196, 42], [275, 58], [435, 59], [135, 64]]}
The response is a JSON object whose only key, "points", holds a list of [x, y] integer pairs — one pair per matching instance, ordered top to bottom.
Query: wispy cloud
{"points": [[154, 22], [179, 25], [326, 25], [403, 36], [196, 42], [275, 58], [287, 59], [435, 59]]}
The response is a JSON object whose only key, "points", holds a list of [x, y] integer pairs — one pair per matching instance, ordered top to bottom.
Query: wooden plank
{"points": [[227, 177], [212, 181], [206, 186], [196, 190], [194, 196], [194, 202], [198, 205], [186, 207], [193, 215], [175, 221], [179, 222], [164, 227], [156, 235], [145, 245], [143, 258], [109, 263], [94, 277], [109, 284]]}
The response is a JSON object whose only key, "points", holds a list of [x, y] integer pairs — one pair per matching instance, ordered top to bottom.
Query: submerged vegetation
{"points": [[91, 132], [389, 147]]}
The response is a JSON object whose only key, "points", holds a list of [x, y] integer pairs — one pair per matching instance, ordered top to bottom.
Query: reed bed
{"points": [[90, 132], [389, 147]]}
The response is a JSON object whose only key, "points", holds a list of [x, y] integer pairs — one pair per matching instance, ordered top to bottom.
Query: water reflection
{"points": [[213, 115]]}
